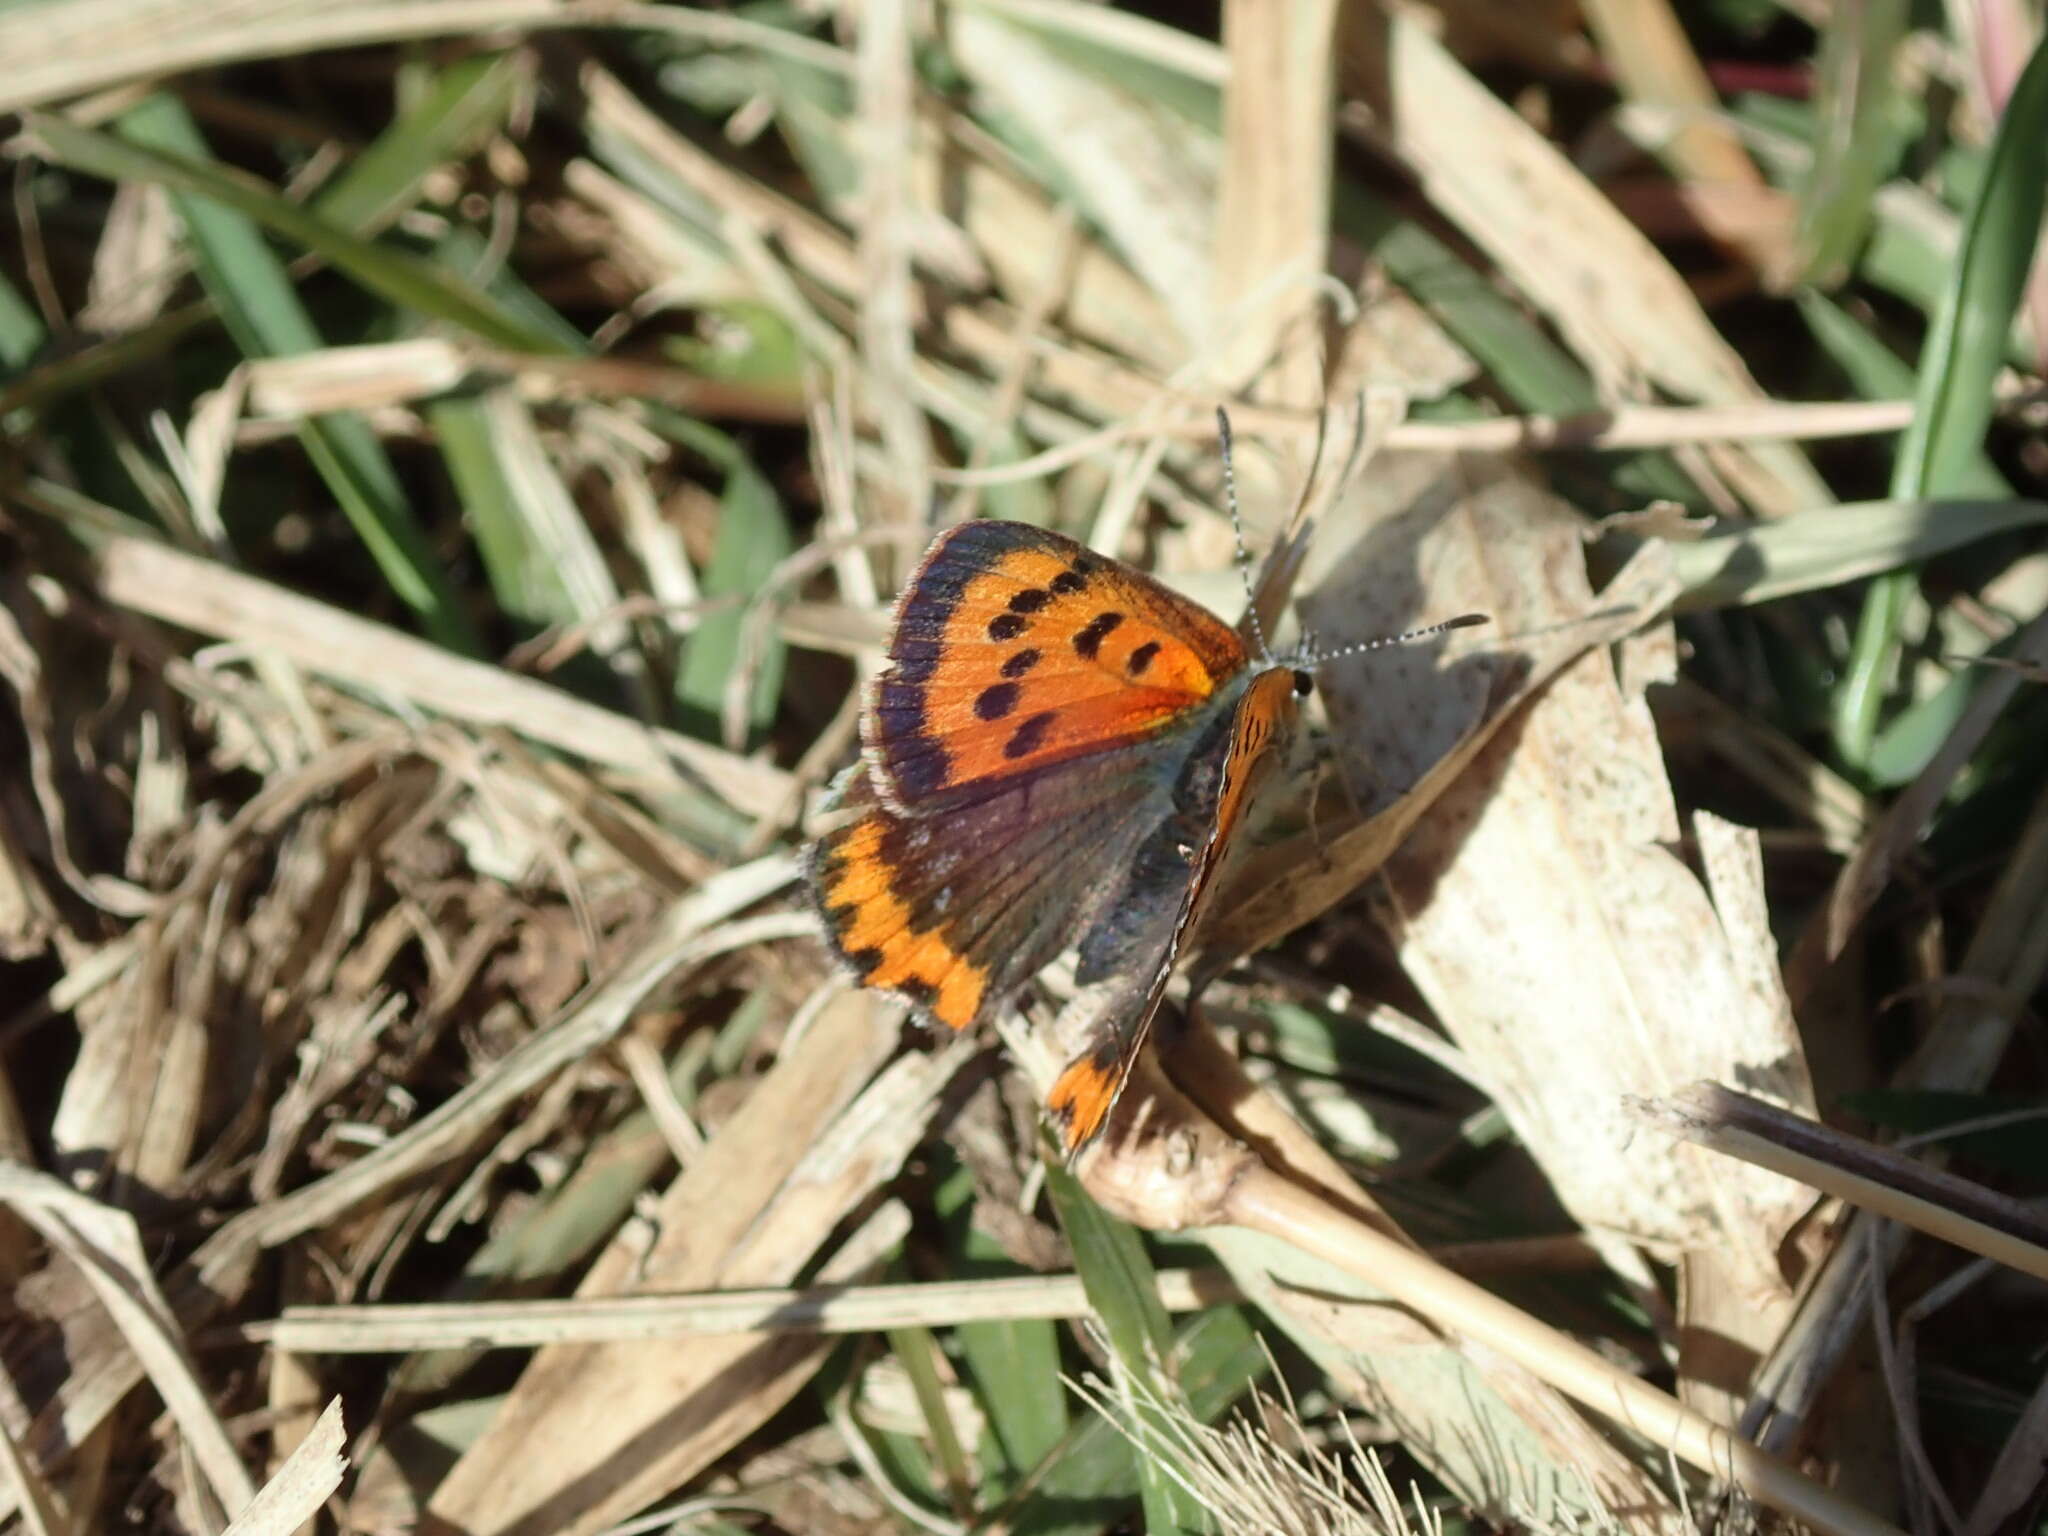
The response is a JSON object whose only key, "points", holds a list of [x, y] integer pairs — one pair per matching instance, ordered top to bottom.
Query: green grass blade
{"points": [[466, 104], [1856, 143], [464, 252], [414, 286], [261, 309], [21, 328], [1967, 344], [1958, 364], [1529, 367], [70, 373], [1877, 373], [349, 458], [490, 506], [753, 538], [1826, 546], [544, 561], [1907, 743], [1120, 1281], [1123, 1289], [917, 1350], [1013, 1366], [1016, 1370], [1087, 1483]]}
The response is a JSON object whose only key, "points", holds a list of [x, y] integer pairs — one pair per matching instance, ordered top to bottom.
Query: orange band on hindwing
{"points": [[871, 926]]}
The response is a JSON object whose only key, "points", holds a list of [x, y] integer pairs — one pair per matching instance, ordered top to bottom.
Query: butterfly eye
{"points": [[1304, 685]]}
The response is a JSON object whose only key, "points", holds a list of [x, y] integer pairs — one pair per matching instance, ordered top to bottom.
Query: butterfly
{"points": [[1058, 752]]}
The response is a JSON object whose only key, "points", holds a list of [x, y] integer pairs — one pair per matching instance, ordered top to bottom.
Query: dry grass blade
{"points": [[53, 52], [1656, 65], [887, 88], [1151, 192], [1273, 196], [1658, 426], [209, 599], [106, 1247], [809, 1309], [298, 1489], [36, 1504]]}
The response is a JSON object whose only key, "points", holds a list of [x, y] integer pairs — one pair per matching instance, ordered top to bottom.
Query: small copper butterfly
{"points": [[1058, 752]]}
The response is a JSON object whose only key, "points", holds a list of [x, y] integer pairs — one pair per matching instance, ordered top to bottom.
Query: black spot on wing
{"points": [[1067, 582], [1030, 600], [1006, 626], [1094, 632], [1141, 658], [1022, 662], [995, 702], [1029, 736], [922, 771], [864, 961]]}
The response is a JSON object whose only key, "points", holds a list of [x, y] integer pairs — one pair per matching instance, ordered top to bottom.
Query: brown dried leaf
{"points": [[1451, 548], [1541, 907]]}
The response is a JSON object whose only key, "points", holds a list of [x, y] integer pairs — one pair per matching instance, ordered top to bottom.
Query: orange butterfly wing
{"points": [[1014, 648]]}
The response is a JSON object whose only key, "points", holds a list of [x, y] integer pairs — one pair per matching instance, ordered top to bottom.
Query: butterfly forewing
{"points": [[1015, 648]]}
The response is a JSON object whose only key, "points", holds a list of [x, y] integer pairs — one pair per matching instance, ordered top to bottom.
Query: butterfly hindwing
{"points": [[1014, 648], [955, 911], [1139, 940]]}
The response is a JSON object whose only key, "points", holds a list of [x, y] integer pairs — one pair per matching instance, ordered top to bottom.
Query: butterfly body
{"points": [[1057, 753]]}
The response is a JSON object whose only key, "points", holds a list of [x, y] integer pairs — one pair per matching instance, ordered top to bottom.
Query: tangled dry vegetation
{"points": [[458, 457]]}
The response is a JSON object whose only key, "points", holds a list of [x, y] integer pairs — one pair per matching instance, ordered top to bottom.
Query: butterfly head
{"points": [[1303, 660]]}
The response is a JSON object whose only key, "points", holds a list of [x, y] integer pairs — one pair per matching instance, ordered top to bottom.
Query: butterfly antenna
{"points": [[1244, 559], [1315, 659]]}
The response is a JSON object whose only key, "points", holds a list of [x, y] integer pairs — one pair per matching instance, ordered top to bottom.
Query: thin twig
{"points": [[1876, 1178]]}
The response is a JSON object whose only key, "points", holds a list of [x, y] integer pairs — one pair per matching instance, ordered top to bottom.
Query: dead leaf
{"points": [[1542, 908]]}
